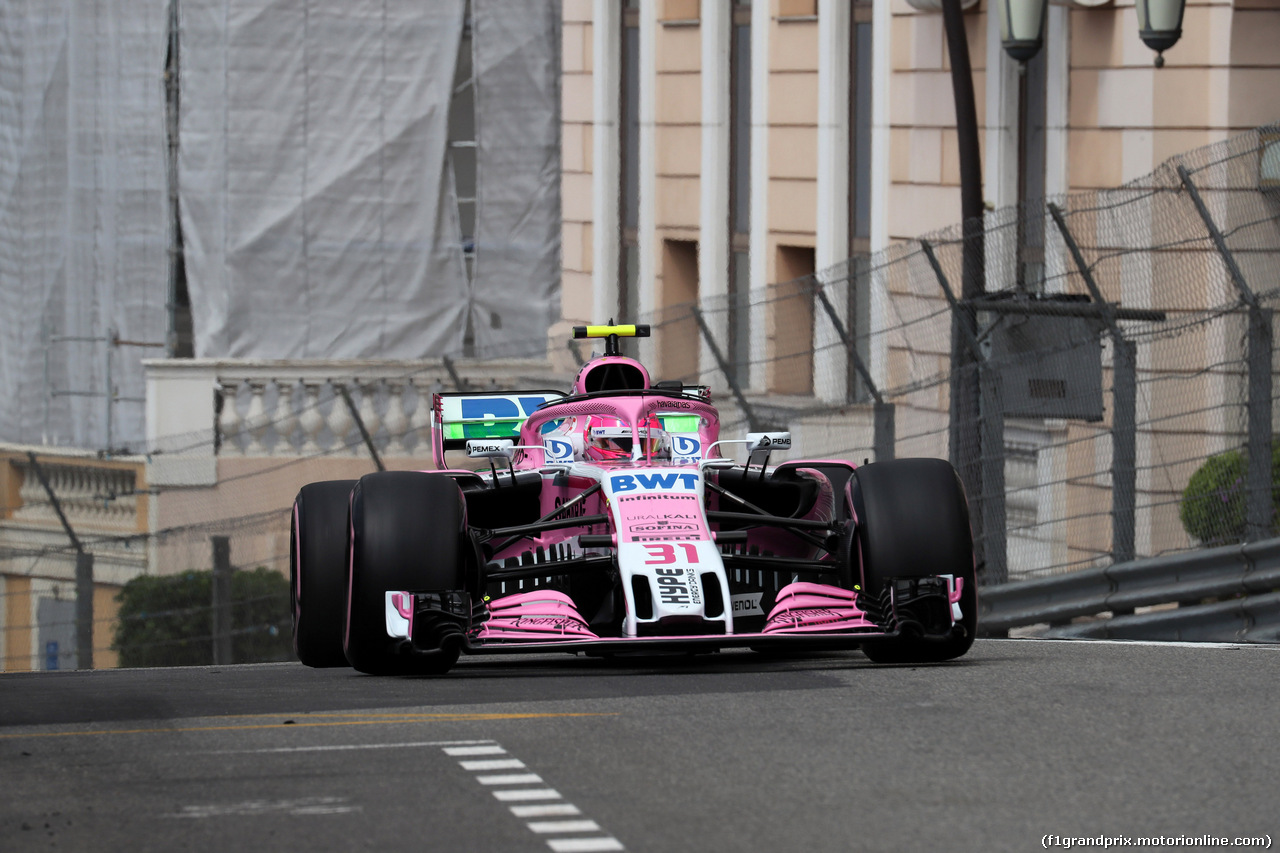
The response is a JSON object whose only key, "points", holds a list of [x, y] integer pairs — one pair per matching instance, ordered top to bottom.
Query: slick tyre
{"points": [[913, 521], [406, 534], [318, 572]]}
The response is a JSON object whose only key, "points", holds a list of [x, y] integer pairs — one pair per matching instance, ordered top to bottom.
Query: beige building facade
{"points": [[716, 147]]}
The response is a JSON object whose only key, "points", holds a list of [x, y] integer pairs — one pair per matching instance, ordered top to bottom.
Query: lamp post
{"points": [[1160, 25], [964, 434]]}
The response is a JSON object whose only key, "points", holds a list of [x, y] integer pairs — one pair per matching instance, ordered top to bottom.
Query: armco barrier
{"points": [[1244, 572], [1252, 619]]}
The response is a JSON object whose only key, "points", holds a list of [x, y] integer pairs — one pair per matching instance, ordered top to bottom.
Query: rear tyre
{"points": [[913, 522], [406, 534], [318, 572]]}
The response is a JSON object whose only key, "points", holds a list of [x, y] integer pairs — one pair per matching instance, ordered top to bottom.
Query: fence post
{"points": [[1124, 401], [884, 420], [885, 427], [969, 431], [364, 432], [1124, 467], [1258, 476], [1258, 507], [994, 527], [221, 599], [84, 610]]}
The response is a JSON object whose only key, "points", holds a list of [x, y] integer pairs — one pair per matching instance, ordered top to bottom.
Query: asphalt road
{"points": [[732, 752]]}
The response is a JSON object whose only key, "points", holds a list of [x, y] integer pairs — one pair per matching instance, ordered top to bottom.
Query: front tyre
{"points": [[913, 522], [407, 532], [318, 572]]}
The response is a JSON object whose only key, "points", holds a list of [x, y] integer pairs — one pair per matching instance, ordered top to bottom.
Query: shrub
{"points": [[1213, 504], [168, 620]]}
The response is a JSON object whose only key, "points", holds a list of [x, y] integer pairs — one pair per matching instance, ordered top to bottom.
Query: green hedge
{"points": [[1213, 504], [168, 620]]}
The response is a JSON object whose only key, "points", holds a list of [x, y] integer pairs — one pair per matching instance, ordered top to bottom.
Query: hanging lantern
{"points": [[1160, 25], [1022, 27]]}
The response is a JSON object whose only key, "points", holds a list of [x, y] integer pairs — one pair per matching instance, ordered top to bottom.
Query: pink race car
{"points": [[608, 520]]}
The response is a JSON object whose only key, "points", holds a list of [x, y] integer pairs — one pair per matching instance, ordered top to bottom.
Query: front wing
{"points": [[805, 615]]}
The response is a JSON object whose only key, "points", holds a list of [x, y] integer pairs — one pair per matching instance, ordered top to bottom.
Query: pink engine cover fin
{"points": [[806, 608], [535, 615]]}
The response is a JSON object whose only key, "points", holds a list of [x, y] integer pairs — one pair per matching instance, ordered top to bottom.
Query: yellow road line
{"points": [[380, 720]]}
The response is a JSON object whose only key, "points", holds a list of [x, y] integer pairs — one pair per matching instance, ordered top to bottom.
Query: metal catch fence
{"points": [[1097, 366]]}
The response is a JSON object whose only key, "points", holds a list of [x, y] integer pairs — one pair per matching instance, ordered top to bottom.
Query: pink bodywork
{"points": [[813, 607], [538, 615]]}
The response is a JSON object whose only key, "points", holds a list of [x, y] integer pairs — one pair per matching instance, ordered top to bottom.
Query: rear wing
{"points": [[480, 414]]}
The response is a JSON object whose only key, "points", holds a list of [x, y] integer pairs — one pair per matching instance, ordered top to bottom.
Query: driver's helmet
{"points": [[608, 439]]}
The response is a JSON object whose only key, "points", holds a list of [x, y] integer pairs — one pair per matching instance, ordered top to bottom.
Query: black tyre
{"points": [[912, 522], [406, 534], [318, 572]]}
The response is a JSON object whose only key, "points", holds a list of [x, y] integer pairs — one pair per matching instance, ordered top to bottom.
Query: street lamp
{"points": [[1160, 25], [1022, 27]]}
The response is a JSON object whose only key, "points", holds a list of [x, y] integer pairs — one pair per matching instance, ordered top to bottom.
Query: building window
{"points": [[629, 171], [740, 191], [791, 309], [678, 339]]}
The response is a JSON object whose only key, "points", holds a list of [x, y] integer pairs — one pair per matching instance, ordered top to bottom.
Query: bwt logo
{"points": [[502, 407], [683, 445], [558, 450], [652, 482]]}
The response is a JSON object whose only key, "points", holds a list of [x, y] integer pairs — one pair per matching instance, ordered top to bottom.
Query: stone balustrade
{"points": [[201, 409], [95, 494]]}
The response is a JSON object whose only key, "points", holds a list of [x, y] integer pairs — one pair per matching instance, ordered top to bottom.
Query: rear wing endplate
{"points": [[464, 415]]}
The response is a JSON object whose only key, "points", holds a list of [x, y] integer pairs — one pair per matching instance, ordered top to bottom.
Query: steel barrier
{"points": [[1248, 575]]}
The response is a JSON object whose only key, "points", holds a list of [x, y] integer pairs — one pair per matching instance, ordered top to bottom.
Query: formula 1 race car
{"points": [[607, 520]]}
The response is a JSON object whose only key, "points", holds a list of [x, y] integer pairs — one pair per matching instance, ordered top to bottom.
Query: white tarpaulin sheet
{"points": [[317, 206], [318, 214], [83, 215], [517, 272]]}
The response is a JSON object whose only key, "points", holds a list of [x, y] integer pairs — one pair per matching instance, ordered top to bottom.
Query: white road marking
{"points": [[344, 747], [492, 749], [493, 764], [511, 779], [516, 794], [303, 806], [524, 808], [315, 810], [546, 810], [546, 826], [584, 845]]}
